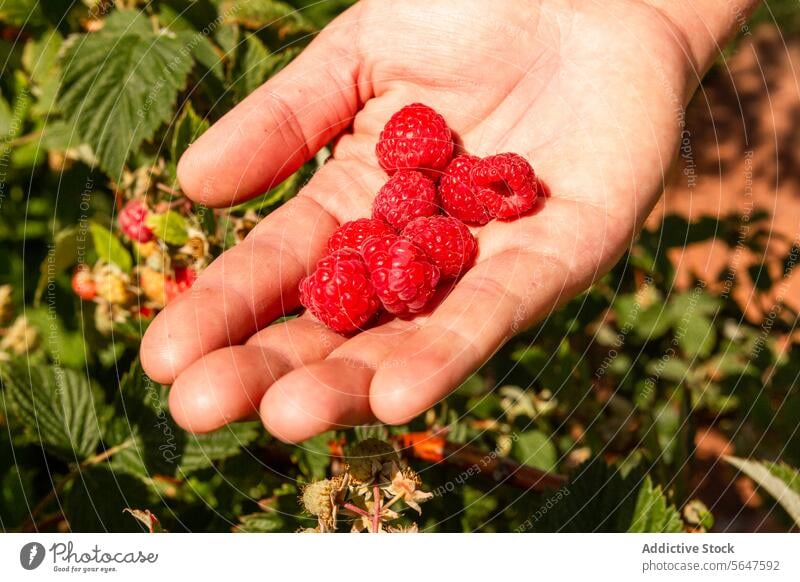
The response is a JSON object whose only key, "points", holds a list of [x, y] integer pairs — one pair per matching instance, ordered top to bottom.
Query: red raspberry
{"points": [[415, 138], [506, 184], [457, 195], [406, 196], [132, 221], [351, 234], [446, 240], [403, 277], [184, 278], [83, 283], [339, 292]]}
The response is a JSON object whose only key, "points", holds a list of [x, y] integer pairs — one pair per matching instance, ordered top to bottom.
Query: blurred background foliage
{"points": [[617, 394]]}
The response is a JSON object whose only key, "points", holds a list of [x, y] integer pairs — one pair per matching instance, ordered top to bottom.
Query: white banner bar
{"points": [[401, 557]]}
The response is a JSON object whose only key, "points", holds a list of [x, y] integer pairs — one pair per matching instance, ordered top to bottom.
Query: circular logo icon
{"points": [[31, 555]]}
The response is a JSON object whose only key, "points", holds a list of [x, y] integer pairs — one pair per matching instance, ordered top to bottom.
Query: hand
{"points": [[589, 92]]}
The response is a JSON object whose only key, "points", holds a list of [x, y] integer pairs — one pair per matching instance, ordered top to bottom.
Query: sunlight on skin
{"points": [[589, 92]]}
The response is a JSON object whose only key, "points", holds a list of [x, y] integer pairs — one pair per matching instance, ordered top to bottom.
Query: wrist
{"points": [[705, 25]]}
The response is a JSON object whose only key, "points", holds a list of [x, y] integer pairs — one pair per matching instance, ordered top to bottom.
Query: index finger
{"points": [[278, 127]]}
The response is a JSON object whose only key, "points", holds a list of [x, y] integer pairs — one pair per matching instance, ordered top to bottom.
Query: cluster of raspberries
{"points": [[395, 260]]}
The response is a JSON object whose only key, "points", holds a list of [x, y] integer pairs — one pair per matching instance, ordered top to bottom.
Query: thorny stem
{"points": [[59, 487], [355, 509], [376, 518]]}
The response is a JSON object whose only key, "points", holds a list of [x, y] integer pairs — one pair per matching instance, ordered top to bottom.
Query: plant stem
{"points": [[355, 509], [376, 518]]}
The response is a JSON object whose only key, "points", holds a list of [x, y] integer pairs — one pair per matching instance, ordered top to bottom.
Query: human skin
{"points": [[590, 92]]}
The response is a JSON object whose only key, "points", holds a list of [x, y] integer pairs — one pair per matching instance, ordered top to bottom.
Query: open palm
{"points": [[588, 92]]}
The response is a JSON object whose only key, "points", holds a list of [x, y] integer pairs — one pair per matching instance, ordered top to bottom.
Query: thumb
{"points": [[279, 126]]}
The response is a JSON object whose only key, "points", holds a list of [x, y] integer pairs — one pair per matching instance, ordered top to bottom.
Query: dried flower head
{"points": [[20, 337], [370, 459], [406, 486], [320, 499]]}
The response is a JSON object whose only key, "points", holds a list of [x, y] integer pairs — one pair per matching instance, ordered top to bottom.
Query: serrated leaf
{"points": [[257, 14], [255, 64], [252, 66], [119, 85], [188, 128], [171, 227], [109, 248], [57, 407], [142, 420], [536, 449], [202, 450], [779, 480], [598, 498], [652, 512]]}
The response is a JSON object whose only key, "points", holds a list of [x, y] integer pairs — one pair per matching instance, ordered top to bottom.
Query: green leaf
{"points": [[21, 13], [257, 14], [40, 60], [256, 64], [253, 67], [119, 85], [6, 117], [188, 128], [170, 227], [109, 248], [63, 255], [698, 337], [67, 346], [672, 369], [58, 407], [141, 419], [536, 449], [202, 450], [313, 456], [779, 480], [598, 498], [652, 512], [261, 522]]}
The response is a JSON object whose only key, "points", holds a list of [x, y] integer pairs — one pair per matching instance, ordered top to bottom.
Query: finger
{"points": [[279, 126], [242, 291], [499, 297], [299, 341], [228, 384], [224, 386], [333, 393]]}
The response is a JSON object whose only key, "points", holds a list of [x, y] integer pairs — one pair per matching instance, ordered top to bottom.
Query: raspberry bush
{"points": [[585, 414]]}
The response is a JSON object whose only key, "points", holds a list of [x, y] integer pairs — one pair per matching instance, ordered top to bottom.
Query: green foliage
{"points": [[120, 85], [96, 108], [170, 227], [109, 248], [60, 409], [778, 479]]}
